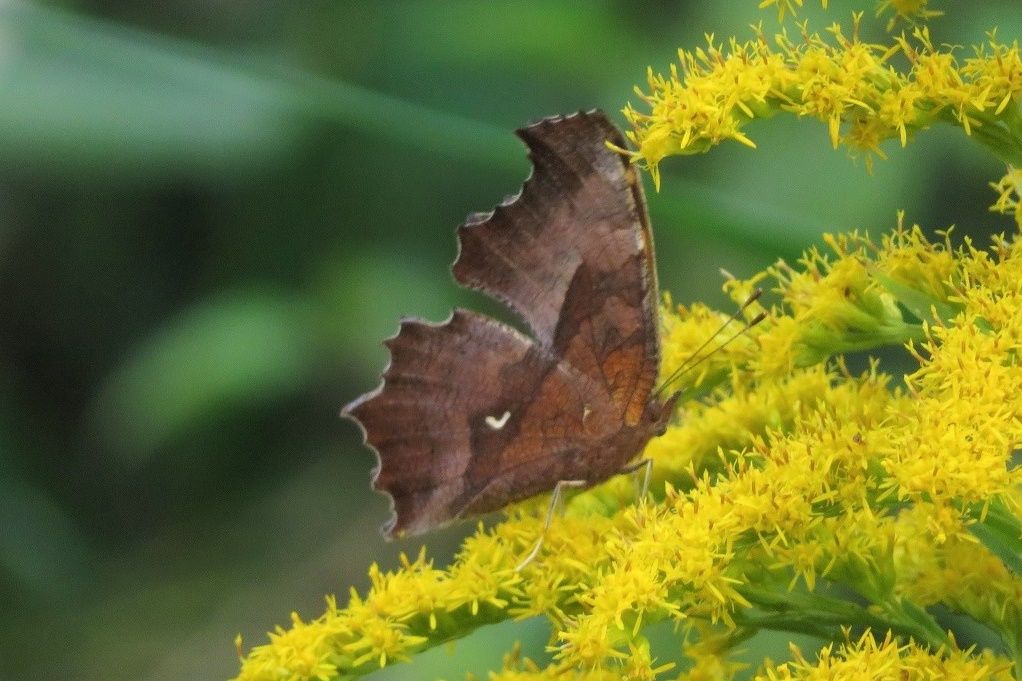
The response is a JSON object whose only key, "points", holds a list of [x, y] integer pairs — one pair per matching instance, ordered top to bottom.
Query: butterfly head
{"points": [[659, 413]]}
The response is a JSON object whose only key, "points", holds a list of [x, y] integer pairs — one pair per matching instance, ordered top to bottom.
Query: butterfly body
{"points": [[473, 414]]}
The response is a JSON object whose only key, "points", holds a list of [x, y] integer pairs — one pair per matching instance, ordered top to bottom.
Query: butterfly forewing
{"points": [[572, 255], [472, 414]]}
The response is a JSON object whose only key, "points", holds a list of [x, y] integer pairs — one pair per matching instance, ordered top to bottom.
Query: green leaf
{"points": [[79, 91], [915, 301], [237, 349], [1002, 534], [41, 547]]}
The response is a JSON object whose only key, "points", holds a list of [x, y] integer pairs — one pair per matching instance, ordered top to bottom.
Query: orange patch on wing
{"points": [[619, 367]]}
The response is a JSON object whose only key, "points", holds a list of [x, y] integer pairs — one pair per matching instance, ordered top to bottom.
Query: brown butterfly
{"points": [[472, 414]]}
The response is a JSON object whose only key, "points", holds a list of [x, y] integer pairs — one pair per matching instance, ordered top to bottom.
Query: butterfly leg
{"points": [[644, 465], [551, 511]]}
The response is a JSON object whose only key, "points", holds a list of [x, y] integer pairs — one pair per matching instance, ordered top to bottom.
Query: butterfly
{"points": [[473, 414]]}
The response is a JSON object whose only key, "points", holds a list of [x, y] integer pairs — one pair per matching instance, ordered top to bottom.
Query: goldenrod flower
{"points": [[785, 7], [905, 10], [909, 11], [859, 90], [1008, 193], [775, 482], [791, 494], [886, 660]]}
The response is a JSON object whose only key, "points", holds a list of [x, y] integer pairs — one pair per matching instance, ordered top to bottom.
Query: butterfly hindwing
{"points": [[466, 411]]}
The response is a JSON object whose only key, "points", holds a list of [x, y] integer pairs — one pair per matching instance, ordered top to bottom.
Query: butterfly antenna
{"points": [[696, 358]]}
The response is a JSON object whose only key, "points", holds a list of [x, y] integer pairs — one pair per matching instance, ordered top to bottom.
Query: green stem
{"points": [[999, 135], [885, 335], [825, 344], [824, 616], [916, 622]]}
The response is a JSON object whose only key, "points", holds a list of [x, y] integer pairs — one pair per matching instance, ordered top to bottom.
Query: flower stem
{"points": [[999, 134], [812, 613], [916, 622]]}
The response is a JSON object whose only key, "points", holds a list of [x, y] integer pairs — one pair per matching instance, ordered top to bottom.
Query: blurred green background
{"points": [[210, 216]]}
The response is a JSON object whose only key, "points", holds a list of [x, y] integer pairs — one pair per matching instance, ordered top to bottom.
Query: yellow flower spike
{"points": [[785, 7], [911, 11], [845, 83], [1008, 194], [963, 430], [788, 473], [588, 644], [709, 649], [887, 660]]}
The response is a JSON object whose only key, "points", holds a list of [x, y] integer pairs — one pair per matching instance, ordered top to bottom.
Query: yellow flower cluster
{"points": [[785, 7], [906, 10], [910, 11], [865, 93], [1009, 193], [851, 298], [792, 473], [789, 481], [932, 570], [864, 658], [886, 660]]}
